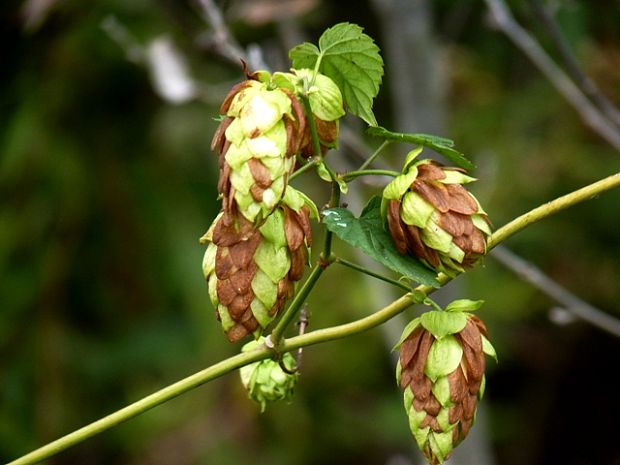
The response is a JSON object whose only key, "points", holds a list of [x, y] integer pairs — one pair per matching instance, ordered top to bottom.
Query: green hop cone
{"points": [[263, 129], [431, 216], [251, 271], [441, 370], [265, 380]]}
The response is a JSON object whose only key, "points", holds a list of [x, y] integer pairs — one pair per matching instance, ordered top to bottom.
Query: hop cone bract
{"points": [[430, 215], [441, 369], [265, 380]]}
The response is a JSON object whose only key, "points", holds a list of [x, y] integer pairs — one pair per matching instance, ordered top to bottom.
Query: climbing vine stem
{"points": [[314, 337]]}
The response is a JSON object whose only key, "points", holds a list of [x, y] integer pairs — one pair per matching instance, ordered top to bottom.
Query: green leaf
{"points": [[352, 60], [438, 144], [367, 233], [464, 305], [440, 324]]}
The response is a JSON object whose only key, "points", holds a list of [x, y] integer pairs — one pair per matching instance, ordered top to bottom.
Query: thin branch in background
{"points": [[221, 38], [223, 42], [134, 51], [572, 66], [588, 112], [533, 275]]}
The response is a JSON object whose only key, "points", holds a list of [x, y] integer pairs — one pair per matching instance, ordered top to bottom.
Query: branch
{"points": [[222, 39], [223, 42], [532, 49], [572, 66], [554, 206], [533, 275], [308, 339]]}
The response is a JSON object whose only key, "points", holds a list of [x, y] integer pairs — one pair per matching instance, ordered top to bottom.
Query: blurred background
{"points": [[107, 182]]}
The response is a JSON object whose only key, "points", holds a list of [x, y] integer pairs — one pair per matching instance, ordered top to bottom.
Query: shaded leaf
{"points": [[440, 145], [367, 233]]}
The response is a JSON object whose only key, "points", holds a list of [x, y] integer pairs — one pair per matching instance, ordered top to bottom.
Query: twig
{"points": [[223, 41], [532, 49], [134, 51], [572, 66], [366, 271], [533, 275]]}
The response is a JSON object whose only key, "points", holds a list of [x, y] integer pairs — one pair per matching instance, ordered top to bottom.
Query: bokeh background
{"points": [[107, 182]]}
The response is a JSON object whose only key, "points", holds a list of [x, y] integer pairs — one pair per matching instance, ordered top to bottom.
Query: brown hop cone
{"points": [[431, 215], [251, 271], [441, 370]]}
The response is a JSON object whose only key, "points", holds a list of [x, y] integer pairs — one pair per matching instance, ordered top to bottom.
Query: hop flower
{"points": [[264, 128], [430, 215], [251, 271], [441, 369], [265, 380]]}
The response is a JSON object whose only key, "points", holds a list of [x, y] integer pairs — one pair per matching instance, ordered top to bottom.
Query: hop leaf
{"points": [[352, 60]]}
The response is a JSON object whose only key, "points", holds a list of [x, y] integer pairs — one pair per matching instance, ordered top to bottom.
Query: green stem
{"points": [[316, 142], [374, 155], [309, 164], [356, 174], [334, 201], [552, 207], [325, 258], [361, 269], [293, 308], [308, 339], [141, 406]]}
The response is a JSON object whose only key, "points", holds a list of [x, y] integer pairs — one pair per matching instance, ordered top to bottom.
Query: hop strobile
{"points": [[263, 129], [431, 216], [251, 271], [441, 370], [265, 380]]}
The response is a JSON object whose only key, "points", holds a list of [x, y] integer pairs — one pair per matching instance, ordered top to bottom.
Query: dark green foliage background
{"points": [[105, 190]]}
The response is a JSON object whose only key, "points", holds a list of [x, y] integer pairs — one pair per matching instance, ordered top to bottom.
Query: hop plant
{"points": [[263, 128], [431, 216], [251, 270], [441, 370], [265, 380]]}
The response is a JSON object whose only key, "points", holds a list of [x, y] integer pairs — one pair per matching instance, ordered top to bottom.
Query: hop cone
{"points": [[263, 129], [430, 215], [251, 271], [441, 369], [265, 380]]}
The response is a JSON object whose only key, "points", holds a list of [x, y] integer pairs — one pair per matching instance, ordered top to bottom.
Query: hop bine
{"points": [[431, 216], [441, 370]]}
